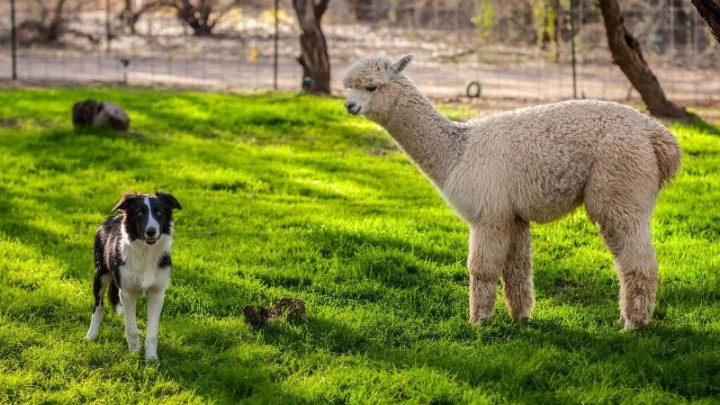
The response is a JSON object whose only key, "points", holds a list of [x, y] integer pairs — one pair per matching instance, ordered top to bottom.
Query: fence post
{"points": [[108, 33], [13, 39], [572, 47], [275, 52]]}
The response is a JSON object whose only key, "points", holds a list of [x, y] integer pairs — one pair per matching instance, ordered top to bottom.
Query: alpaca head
{"points": [[367, 79]]}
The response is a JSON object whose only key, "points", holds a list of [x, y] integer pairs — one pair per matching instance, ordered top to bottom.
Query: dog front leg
{"points": [[129, 304], [154, 308]]}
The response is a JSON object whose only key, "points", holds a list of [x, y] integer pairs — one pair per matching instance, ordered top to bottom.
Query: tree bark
{"points": [[710, 12], [200, 15], [130, 16], [197, 17], [57, 23], [48, 28], [627, 55], [314, 57]]}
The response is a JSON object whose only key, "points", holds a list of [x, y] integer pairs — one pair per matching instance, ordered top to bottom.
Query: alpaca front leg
{"points": [[487, 254], [517, 274], [129, 303], [154, 308]]}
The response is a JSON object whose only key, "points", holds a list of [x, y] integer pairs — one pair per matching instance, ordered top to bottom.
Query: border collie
{"points": [[132, 258]]}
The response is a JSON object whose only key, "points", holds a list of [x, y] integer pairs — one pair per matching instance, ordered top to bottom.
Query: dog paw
{"points": [[133, 347], [151, 352]]}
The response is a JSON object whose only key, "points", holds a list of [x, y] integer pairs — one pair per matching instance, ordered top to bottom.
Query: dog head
{"points": [[148, 216]]}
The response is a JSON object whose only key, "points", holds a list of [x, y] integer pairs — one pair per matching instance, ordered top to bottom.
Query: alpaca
{"points": [[502, 171]]}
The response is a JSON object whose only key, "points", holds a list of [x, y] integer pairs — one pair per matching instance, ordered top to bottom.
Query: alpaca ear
{"points": [[398, 66]]}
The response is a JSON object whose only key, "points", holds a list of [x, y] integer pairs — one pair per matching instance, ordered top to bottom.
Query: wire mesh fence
{"points": [[520, 49]]}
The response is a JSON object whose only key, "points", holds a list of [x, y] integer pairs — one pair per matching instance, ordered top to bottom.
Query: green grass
{"points": [[287, 196]]}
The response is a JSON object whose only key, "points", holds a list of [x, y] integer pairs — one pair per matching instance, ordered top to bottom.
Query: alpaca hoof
{"points": [[481, 320], [523, 320], [629, 325]]}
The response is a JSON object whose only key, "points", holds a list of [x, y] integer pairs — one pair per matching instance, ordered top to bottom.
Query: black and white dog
{"points": [[132, 257]]}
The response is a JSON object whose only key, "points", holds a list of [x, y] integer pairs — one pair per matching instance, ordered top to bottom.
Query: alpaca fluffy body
{"points": [[502, 171]]}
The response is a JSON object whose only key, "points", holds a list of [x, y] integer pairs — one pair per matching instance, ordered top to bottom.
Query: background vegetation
{"points": [[287, 196]]}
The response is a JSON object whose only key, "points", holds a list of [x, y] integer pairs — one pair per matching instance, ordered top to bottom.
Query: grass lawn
{"points": [[287, 196]]}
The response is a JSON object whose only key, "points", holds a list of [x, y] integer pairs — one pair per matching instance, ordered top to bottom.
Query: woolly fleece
{"points": [[502, 171]]}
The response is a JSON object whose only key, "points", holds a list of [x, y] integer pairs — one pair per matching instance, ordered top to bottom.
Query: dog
{"points": [[132, 260]]}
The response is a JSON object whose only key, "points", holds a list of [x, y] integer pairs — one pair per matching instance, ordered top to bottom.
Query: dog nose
{"points": [[349, 105], [150, 232]]}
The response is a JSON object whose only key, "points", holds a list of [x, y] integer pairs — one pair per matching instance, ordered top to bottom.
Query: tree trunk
{"points": [[710, 12], [129, 16], [197, 17], [57, 23], [627, 55], [314, 57]]}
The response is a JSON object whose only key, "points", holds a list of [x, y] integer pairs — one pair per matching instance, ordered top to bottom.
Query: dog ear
{"points": [[169, 200], [125, 202]]}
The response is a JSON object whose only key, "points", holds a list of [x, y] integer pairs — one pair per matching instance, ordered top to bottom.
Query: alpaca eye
{"points": [[371, 88]]}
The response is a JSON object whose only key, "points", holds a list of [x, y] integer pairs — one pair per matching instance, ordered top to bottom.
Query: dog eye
{"points": [[371, 88], [158, 212], [140, 213]]}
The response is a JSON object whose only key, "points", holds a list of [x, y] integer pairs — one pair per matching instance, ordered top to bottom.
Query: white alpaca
{"points": [[535, 164]]}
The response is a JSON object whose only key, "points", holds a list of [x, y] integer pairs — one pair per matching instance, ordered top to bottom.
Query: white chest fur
{"points": [[140, 272]]}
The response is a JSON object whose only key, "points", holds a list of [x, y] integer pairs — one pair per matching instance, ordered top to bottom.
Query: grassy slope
{"points": [[288, 196]]}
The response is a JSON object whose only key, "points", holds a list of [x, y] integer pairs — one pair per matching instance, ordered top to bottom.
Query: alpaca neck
{"points": [[433, 142]]}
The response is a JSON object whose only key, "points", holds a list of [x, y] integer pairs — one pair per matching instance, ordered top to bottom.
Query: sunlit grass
{"points": [[287, 196]]}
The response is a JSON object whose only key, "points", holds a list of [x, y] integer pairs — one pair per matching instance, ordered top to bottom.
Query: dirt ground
{"points": [[445, 63]]}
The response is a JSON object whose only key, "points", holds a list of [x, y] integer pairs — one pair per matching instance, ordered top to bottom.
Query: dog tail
{"points": [[114, 296]]}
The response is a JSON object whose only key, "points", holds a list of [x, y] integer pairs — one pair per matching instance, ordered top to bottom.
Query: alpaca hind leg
{"points": [[620, 197], [487, 255], [637, 271], [517, 274]]}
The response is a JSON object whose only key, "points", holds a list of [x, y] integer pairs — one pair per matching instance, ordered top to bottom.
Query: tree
{"points": [[710, 12], [131, 14], [200, 15], [51, 22], [626, 53], [314, 56]]}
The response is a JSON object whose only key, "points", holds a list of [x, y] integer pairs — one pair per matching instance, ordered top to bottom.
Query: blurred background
{"points": [[520, 49]]}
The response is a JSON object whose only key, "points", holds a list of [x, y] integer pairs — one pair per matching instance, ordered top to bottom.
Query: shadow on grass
{"points": [[701, 126], [63, 152], [42, 240], [533, 361], [210, 362]]}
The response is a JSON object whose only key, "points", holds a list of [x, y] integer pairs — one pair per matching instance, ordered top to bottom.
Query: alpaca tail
{"points": [[668, 155]]}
